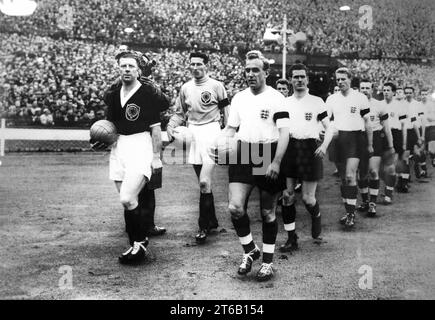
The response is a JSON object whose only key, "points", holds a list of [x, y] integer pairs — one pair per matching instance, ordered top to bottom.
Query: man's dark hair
{"points": [[127, 54], [198, 54], [296, 67], [283, 81], [391, 85]]}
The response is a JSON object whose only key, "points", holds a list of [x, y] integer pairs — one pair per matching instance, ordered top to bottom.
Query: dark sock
{"points": [[363, 185], [374, 188], [351, 193], [147, 201], [206, 209], [313, 210], [289, 217], [136, 225], [243, 229], [270, 230]]}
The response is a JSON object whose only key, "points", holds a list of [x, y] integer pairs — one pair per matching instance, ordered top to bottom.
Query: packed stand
{"points": [[400, 28], [61, 82]]}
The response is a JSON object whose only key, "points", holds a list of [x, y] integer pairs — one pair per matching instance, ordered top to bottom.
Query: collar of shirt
{"points": [[125, 98]]}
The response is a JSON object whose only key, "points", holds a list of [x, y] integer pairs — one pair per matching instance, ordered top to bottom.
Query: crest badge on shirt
{"points": [[205, 97], [352, 109], [132, 112], [264, 114], [308, 116], [372, 118]]}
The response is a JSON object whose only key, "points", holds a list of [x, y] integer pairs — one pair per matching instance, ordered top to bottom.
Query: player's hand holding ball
{"points": [[103, 134]]}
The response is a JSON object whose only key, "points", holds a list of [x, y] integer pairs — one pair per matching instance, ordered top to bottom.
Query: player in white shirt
{"points": [[283, 86], [199, 104], [429, 107], [350, 110], [397, 115], [423, 123], [263, 125], [414, 141], [383, 151], [303, 158]]}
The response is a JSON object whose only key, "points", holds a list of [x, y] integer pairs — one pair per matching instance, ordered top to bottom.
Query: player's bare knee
{"points": [[390, 170], [373, 174], [350, 179], [205, 186], [288, 198], [309, 199], [128, 202], [236, 211], [268, 215]]}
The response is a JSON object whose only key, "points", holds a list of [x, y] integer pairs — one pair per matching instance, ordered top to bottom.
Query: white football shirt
{"points": [[348, 112], [397, 113], [305, 115], [258, 116]]}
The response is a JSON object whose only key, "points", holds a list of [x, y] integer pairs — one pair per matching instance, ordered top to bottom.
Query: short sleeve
{"points": [[281, 115], [234, 116]]}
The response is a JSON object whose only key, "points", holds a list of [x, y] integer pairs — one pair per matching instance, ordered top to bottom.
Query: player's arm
{"points": [[223, 102], [422, 116], [178, 118], [281, 119], [414, 122], [386, 126], [369, 128], [156, 135], [321, 150]]}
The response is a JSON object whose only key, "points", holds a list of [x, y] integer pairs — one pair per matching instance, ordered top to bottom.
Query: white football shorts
{"points": [[204, 137], [133, 154]]}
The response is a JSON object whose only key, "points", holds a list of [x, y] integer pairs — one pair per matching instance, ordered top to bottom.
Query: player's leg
{"points": [[430, 133], [374, 166], [389, 166], [363, 181], [351, 190], [238, 195], [147, 201], [268, 204], [312, 206], [207, 216], [289, 216], [135, 217]]}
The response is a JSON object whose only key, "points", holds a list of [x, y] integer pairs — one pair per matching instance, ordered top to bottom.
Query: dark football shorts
{"points": [[430, 134], [411, 140], [397, 141], [380, 143], [350, 144], [332, 150], [364, 158], [300, 161], [252, 163]]}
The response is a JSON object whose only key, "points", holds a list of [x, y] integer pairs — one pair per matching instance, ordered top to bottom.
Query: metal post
{"points": [[284, 47], [2, 137]]}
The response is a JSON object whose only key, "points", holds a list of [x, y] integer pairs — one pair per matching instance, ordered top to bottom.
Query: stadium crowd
{"points": [[400, 28], [56, 63], [66, 78], [61, 82]]}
